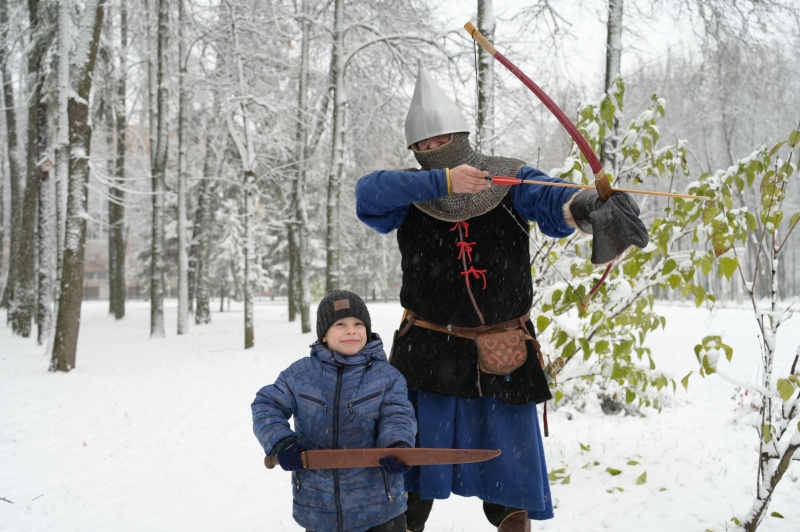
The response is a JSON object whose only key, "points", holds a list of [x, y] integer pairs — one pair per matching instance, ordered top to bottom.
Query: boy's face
{"points": [[346, 336]]}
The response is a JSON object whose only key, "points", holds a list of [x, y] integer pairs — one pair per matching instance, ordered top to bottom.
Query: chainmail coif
{"points": [[458, 207]]}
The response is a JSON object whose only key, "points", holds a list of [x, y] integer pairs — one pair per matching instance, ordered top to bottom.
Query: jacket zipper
{"points": [[315, 400], [357, 402], [336, 494]]}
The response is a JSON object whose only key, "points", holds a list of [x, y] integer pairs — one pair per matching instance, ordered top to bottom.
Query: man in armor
{"points": [[466, 275]]}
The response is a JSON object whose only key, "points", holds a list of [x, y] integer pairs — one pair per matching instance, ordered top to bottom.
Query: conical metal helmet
{"points": [[431, 112]]}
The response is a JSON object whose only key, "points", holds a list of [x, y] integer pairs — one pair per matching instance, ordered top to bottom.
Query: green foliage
{"points": [[606, 341]]}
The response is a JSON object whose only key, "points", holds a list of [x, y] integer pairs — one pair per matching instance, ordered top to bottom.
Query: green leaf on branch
{"points": [[794, 138], [794, 219], [728, 265], [542, 322], [785, 388], [630, 395], [766, 433]]}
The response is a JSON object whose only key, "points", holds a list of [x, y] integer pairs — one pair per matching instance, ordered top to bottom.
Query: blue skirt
{"points": [[517, 478]]}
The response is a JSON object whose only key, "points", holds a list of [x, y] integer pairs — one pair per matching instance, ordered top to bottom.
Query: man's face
{"points": [[433, 142]]}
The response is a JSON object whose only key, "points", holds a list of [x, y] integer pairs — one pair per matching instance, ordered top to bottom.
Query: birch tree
{"points": [[485, 67], [241, 130], [61, 141], [183, 141], [609, 155], [158, 171], [336, 173], [15, 177], [117, 241], [23, 284], [299, 290], [65, 340]]}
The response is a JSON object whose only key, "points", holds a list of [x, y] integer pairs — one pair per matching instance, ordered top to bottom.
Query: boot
{"points": [[516, 522]]}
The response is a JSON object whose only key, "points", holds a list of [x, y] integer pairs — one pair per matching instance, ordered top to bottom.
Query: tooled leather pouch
{"points": [[501, 352]]}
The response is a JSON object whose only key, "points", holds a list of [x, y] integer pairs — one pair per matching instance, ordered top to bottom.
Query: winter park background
{"points": [[165, 267], [156, 434]]}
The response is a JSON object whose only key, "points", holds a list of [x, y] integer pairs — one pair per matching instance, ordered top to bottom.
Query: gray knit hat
{"points": [[339, 304]]}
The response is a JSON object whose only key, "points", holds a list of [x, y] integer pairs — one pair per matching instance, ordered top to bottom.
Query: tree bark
{"points": [[485, 123], [183, 142], [608, 151], [15, 179], [158, 180], [116, 205], [298, 233], [332, 233], [200, 243], [23, 304], [65, 341]]}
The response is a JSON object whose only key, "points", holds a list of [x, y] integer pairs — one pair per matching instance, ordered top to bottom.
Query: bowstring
{"points": [[527, 232]]}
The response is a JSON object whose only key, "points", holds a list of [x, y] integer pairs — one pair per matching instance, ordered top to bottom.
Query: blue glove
{"points": [[290, 459], [393, 466]]}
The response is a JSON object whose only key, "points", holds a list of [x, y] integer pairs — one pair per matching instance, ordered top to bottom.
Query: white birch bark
{"points": [[62, 132], [485, 135], [183, 141], [244, 145], [609, 153], [336, 173], [15, 177], [158, 179], [299, 231]]}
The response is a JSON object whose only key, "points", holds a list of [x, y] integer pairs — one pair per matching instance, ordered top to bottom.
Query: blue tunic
{"points": [[517, 478]]}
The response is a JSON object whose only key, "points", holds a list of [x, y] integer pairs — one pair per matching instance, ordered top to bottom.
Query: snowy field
{"points": [[156, 435]]}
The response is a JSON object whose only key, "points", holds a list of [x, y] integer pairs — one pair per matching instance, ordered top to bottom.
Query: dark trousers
{"points": [[419, 510], [398, 524]]}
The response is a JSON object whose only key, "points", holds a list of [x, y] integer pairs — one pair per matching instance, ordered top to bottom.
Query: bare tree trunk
{"points": [[485, 126], [62, 134], [183, 142], [246, 149], [609, 149], [15, 179], [158, 180], [249, 192], [116, 206], [298, 234], [45, 238], [332, 238], [200, 243], [23, 305], [68, 321]]}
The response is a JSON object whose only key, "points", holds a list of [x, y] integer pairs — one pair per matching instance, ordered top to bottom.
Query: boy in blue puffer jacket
{"points": [[344, 396]]}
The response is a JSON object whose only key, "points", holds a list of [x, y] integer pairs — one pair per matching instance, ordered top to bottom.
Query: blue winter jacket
{"points": [[339, 402]]}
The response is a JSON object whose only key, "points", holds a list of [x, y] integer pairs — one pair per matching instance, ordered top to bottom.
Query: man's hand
{"points": [[465, 179]]}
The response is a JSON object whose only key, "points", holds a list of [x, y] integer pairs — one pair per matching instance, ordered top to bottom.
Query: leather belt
{"points": [[470, 333]]}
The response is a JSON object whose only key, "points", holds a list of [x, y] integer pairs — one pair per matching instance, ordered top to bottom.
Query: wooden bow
{"points": [[601, 182]]}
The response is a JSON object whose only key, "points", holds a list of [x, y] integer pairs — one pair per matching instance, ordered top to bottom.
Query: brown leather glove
{"points": [[613, 224]]}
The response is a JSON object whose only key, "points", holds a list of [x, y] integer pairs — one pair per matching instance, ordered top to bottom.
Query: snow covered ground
{"points": [[156, 435]]}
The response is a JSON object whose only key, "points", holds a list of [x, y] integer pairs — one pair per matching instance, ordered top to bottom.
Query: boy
{"points": [[345, 395]]}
